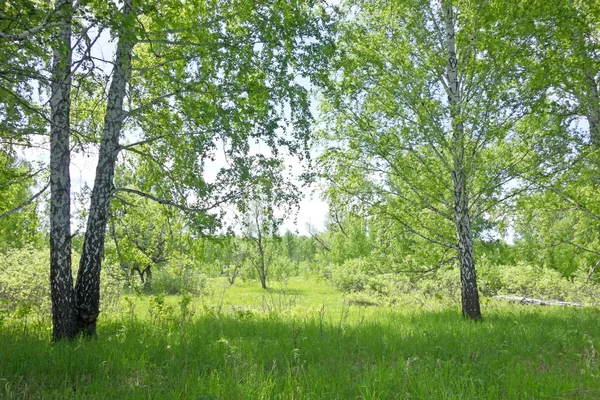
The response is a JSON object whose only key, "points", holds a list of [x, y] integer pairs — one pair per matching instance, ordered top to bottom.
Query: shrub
{"points": [[282, 268], [352, 275], [360, 276], [169, 281], [25, 282], [544, 283], [443, 284], [363, 299]]}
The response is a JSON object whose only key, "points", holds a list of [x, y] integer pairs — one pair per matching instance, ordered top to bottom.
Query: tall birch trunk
{"points": [[468, 275], [61, 278], [88, 279]]}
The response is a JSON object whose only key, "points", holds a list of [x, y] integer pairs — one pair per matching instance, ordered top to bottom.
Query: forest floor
{"points": [[304, 340]]}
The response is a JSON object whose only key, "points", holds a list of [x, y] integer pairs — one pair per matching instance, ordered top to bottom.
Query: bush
{"points": [[281, 269], [352, 275], [360, 276], [169, 281], [25, 282], [544, 283], [442, 284]]}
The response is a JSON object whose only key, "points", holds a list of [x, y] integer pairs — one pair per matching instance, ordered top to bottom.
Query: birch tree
{"points": [[28, 31], [198, 75], [188, 79], [422, 119], [260, 229], [61, 278], [88, 278]]}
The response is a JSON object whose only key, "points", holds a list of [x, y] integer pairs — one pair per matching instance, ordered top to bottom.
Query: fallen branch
{"points": [[527, 300]]}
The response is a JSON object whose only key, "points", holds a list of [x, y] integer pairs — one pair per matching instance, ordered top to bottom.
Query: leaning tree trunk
{"points": [[468, 275], [61, 278], [88, 279]]}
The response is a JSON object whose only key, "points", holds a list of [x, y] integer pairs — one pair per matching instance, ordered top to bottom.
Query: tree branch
{"points": [[25, 203], [176, 205]]}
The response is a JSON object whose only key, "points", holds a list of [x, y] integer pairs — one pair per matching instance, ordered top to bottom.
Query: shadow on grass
{"points": [[514, 353]]}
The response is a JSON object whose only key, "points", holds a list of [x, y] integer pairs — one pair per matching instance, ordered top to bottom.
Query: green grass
{"points": [[303, 341]]}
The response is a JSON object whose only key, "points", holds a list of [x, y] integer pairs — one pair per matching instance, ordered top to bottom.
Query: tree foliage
{"points": [[423, 111]]}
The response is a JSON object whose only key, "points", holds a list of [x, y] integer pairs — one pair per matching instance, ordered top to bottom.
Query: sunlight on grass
{"points": [[304, 340]]}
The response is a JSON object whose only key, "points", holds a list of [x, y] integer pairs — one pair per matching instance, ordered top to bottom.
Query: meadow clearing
{"points": [[305, 340]]}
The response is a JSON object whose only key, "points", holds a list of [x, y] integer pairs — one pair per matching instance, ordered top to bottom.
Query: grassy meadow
{"points": [[305, 340]]}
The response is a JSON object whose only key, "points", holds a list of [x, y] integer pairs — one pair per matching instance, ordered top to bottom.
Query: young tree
{"points": [[422, 111], [270, 197], [260, 229], [142, 234], [237, 255]]}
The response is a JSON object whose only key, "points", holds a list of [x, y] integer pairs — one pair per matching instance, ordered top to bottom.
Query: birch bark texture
{"points": [[466, 260], [61, 279], [87, 286]]}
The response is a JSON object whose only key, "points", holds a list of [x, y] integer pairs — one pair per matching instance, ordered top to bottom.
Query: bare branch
{"points": [[153, 102], [25, 203], [176, 205], [318, 240], [562, 241], [432, 269]]}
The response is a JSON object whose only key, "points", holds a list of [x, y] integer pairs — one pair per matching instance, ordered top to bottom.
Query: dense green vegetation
{"points": [[455, 143], [304, 339]]}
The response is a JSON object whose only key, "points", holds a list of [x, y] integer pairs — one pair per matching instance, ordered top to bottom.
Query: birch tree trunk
{"points": [[468, 275], [61, 279], [88, 279]]}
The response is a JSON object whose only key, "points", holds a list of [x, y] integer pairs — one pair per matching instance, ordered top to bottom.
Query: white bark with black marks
{"points": [[468, 275], [61, 279], [88, 279]]}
